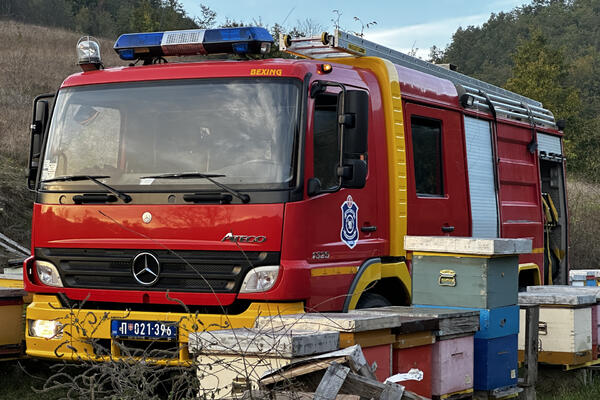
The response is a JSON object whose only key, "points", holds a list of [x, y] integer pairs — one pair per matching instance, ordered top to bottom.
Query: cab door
{"points": [[438, 202]]}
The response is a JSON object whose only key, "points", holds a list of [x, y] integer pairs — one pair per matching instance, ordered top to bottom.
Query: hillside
{"points": [[33, 60]]}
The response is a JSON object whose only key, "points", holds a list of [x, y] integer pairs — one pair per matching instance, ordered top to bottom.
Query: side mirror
{"points": [[41, 110], [355, 122], [353, 173], [314, 187]]}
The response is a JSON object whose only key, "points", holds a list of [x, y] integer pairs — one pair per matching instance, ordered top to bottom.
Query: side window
{"points": [[326, 146], [427, 156]]}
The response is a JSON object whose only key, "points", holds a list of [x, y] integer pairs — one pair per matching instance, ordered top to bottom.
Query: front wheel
{"points": [[372, 300]]}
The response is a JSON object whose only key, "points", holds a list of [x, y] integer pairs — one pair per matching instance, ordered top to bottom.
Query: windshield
{"points": [[243, 129]]}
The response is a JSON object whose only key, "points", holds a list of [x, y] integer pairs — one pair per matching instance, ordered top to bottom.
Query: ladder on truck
{"points": [[482, 95]]}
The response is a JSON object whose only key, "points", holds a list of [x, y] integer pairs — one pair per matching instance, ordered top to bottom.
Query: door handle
{"points": [[368, 228], [447, 229]]}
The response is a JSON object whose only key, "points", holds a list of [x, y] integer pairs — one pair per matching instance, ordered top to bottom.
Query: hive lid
{"points": [[467, 245], [561, 299]]}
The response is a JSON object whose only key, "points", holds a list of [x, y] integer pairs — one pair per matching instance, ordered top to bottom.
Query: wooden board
{"points": [[463, 245], [11, 292], [556, 299], [448, 321], [340, 322], [367, 339], [409, 340], [269, 342], [561, 358]]}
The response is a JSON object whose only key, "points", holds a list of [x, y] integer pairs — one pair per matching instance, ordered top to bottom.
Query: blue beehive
{"points": [[496, 364]]}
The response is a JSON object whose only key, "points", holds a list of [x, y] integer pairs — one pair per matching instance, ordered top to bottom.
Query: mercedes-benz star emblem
{"points": [[145, 269]]}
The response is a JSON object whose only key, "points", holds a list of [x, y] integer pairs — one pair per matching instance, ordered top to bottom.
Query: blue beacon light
{"points": [[243, 40]]}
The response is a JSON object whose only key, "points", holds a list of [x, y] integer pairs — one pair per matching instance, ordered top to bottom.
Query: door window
{"points": [[326, 142], [427, 156]]}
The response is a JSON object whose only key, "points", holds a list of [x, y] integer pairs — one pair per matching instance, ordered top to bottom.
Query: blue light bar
{"points": [[244, 40]]}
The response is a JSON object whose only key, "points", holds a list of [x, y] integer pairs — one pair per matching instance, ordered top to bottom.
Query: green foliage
{"points": [[106, 18], [548, 50], [540, 72]]}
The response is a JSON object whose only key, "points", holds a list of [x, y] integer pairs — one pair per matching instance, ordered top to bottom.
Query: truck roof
{"points": [[413, 83]]}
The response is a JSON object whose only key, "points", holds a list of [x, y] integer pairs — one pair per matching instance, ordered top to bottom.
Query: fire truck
{"points": [[227, 189]]}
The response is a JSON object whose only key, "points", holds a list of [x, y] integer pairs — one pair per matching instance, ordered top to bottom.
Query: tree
{"points": [[207, 17], [540, 72]]}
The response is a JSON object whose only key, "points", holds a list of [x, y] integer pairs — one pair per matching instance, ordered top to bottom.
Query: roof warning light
{"points": [[244, 40]]}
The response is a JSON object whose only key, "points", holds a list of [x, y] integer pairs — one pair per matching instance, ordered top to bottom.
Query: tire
{"points": [[372, 300]]}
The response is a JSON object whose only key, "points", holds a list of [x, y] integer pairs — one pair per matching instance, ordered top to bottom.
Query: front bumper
{"points": [[86, 334]]}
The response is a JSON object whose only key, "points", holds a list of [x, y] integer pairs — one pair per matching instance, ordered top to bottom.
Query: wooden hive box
{"points": [[465, 272], [578, 290], [565, 335], [413, 350], [231, 359], [496, 363], [452, 366]]}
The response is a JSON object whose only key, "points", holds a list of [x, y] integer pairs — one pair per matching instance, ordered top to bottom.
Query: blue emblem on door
{"points": [[349, 232]]}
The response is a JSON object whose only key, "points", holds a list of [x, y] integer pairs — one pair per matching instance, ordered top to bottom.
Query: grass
{"points": [[19, 378], [556, 384]]}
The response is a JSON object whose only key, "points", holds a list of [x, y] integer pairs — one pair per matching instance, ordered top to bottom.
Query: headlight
{"points": [[48, 274], [260, 279], [45, 329]]}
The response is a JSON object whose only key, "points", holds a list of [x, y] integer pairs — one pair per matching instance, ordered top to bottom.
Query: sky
{"points": [[401, 24]]}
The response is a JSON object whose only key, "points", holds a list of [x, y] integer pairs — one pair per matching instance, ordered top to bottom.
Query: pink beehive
{"points": [[452, 366]]}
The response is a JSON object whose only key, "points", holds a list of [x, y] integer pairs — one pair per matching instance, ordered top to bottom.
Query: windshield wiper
{"points": [[209, 177], [94, 178]]}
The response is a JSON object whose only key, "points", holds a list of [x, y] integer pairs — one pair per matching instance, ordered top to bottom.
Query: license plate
{"points": [[143, 329]]}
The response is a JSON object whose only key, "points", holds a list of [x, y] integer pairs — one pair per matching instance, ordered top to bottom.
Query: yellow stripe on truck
{"points": [[389, 82], [328, 271]]}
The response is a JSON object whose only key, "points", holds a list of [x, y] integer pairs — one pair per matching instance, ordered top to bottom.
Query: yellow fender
{"points": [[369, 273]]}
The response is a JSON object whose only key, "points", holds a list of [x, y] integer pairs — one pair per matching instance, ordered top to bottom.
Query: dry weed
{"points": [[33, 60], [584, 224]]}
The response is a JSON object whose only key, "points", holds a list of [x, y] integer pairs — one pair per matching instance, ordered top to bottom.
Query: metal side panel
{"points": [[549, 143], [484, 205]]}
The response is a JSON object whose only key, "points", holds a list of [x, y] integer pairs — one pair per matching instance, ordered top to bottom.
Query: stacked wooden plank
{"points": [[475, 274], [565, 327]]}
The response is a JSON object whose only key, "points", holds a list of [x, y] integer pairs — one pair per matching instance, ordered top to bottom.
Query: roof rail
{"points": [[341, 44]]}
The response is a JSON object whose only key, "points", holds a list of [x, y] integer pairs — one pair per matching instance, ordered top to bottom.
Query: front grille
{"points": [[181, 271]]}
